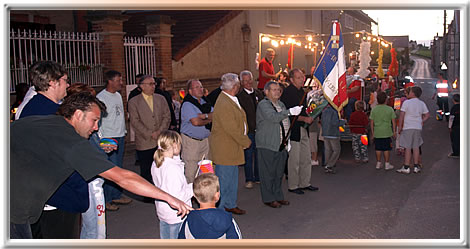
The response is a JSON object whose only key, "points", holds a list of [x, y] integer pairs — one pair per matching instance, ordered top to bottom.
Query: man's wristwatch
{"points": [[206, 116]]}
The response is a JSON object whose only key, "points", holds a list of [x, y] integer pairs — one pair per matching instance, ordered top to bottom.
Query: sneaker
{"points": [[452, 155], [365, 160], [315, 163], [378, 165], [388, 166], [417, 168], [329, 169], [403, 170], [249, 185], [111, 207]]}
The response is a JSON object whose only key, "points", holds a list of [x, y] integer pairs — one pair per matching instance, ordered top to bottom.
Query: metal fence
{"points": [[77, 52], [140, 57]]}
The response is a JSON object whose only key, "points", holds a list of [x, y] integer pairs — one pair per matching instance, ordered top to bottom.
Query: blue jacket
{"points": [[330, 122], [212, 223]]}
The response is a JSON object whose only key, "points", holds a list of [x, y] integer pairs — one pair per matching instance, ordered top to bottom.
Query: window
{"points": [[272, 18], [308, 20], [348, 21]]}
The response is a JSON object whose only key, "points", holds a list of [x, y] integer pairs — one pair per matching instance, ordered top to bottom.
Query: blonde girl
{"points": [[168, 175]]}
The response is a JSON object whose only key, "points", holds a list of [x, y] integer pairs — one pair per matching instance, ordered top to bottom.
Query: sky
{"points": [[419, 25]]}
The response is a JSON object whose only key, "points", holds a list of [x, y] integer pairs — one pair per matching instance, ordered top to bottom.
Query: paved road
{"points": [[359, 202]]}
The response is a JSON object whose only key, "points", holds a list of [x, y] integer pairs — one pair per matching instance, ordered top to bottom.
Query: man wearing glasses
{"points": [[149, 116], [196, 118]]}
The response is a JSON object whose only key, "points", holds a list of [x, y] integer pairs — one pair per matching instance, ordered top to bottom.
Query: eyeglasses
{"points": [[67, 80], [150, 84]]}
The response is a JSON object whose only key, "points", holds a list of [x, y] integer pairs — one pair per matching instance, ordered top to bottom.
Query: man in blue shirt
{"points": [[51, 81], [196, 118]]}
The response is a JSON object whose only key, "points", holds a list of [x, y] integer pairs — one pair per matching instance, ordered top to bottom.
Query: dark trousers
{"points": [[443, 103], [455, 140], [146, 160], [271, 167], [57, 224], [20, 231]]}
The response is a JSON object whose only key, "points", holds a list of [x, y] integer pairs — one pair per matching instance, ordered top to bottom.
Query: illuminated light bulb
{"points": [[357, 35], [309, 38], [364, 38], [368, 38], [265, 39], [374, 39], [289, 40], [282, 42], [321, 42], [275, 43], [298, 44], [386, 45], [306, 46], [313, 50], [321, 52], [372, 52], [350, 54]]}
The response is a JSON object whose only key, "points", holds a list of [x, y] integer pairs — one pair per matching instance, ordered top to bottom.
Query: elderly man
{"points": [[266, 69], [249, 98], [149, 115], [196, 117], [272, 124], [113, 126], [227, 141], [46, 150], [299, 166]]}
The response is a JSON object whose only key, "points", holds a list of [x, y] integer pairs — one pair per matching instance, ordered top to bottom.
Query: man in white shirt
{"points": [[113, 126]]}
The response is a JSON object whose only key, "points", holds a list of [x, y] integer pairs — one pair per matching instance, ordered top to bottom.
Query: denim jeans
{"points": [[251, 161], [228, 181], [111, 190], [169, 231]]}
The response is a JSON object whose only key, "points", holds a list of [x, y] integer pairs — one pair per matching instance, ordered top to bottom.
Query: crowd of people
{"points": [[57, 175]]}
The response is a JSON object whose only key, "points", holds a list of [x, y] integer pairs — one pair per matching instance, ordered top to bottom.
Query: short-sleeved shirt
{"points": [[267, 67], [356, 94], [414, 109], [189, 111], [382, 116], [114, 124], [44, 152]]}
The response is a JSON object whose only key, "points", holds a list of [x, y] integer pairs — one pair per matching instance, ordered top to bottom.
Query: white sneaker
{"points": [[315, 163], [378, 165], [388, 166], [416, 169], [403, 170], [249, 185]]}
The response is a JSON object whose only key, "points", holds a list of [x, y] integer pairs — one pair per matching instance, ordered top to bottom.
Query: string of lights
{"points": [[307, 41]]}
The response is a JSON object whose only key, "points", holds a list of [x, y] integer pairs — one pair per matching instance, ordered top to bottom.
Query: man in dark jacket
{"points": [[249, 98]]}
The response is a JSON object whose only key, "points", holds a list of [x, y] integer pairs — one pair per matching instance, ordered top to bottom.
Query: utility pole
{"points": [[444, 41]]}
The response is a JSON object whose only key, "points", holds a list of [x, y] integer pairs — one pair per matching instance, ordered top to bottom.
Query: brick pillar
{"points": [[109, 25], [159, 29]]}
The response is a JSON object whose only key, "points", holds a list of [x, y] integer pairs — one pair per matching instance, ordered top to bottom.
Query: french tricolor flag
{"points": [[331, 70]]}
